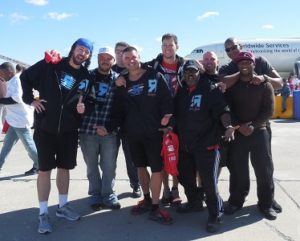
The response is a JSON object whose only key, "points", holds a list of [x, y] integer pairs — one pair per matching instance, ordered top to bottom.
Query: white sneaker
{"points": [[67, 213]]}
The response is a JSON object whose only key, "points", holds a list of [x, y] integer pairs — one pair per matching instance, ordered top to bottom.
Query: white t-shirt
{"points": [[19, 115]]}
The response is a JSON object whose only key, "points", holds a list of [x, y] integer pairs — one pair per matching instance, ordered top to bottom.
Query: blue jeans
{"points": [[11, 138], [101, 151]]}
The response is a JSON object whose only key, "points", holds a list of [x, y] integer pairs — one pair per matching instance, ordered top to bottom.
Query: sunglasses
{"points": [[234, 47]]}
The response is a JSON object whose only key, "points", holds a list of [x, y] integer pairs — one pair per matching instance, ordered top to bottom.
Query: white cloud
{"points": [[37, 2], [207, 15], [59, 16], [16, 17], [268, 26], [158, 39]]}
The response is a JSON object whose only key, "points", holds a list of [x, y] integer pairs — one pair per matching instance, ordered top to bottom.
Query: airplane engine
{"points": [[297, 69]]}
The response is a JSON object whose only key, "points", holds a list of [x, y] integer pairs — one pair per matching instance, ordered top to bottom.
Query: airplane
{"points": [[283, 54], [3, 57]]}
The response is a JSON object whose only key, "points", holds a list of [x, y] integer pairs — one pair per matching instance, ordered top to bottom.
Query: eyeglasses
{"points": [[234, 47]]}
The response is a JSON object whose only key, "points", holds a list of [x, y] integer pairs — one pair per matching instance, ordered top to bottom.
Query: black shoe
{"points": [[32, 171], [136, 192], [96, 206], [113, 206], [276, 206], [188, 207], [230, 209], [269, 213], [213, 224]]}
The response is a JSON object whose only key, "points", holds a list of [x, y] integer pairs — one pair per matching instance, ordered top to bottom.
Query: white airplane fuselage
{"points": [[283, 54]]}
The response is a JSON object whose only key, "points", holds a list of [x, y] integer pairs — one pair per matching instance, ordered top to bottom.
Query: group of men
{"points": [[126, 100]]}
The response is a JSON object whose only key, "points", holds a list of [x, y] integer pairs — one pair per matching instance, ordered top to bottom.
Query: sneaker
{"points": [[32, 171], [136, 192], [166, 198], [175, 199], [95, 202], [111, 202], [113, 206], [143, 206], [276, 206], [188, 207], [230, 209], [67, 213], [269, 213], [161, 216], [44, 224], [213, 224]]}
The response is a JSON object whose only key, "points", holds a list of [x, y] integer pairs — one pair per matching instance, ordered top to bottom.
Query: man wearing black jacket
{"points": [[143, 106], [199, 108], [57, 122]]}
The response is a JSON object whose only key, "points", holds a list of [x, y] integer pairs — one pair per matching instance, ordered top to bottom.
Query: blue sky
{"points": [[29, 27]]}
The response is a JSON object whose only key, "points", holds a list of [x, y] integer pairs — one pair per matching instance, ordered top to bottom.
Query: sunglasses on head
{"points": [[231, 48]]}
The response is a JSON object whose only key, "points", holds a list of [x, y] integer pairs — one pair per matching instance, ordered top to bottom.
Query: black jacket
{"points": [[140, 106], [60, 114], [197, 115]]}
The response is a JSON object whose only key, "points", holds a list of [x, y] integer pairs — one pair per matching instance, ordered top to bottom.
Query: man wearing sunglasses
{"points": [[264, 71], [230, 75]]}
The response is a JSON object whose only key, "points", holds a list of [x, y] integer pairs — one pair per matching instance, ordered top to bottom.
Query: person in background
{"points": [[19, 69], [285, 93], [19, 117], [57, 123], [131, 169]]}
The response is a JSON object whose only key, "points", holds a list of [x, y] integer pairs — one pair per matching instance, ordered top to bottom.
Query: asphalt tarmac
{"points": [[19, 205]]}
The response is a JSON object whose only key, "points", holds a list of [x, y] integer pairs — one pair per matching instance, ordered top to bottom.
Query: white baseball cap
{"points": [[107, 50]]}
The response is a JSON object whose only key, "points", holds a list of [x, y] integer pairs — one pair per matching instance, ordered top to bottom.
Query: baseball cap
{"points": [[107, 50], [244, 56], [191, 64]]}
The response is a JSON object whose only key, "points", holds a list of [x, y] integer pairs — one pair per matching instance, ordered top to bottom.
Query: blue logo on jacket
{"points": [[67, 81], [83, 86], [152, 86], [135, 90], [101, 91], [195, 103]]}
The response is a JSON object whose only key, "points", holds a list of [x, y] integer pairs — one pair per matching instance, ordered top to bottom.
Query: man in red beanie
{"points": [[264, 71], [251, 106]]}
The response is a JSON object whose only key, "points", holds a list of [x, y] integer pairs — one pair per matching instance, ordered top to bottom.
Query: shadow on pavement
{"points": [[12, 177], [116, 225]]}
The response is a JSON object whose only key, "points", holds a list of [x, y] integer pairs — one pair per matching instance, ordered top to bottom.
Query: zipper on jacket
{"points": [[61, 101]]}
